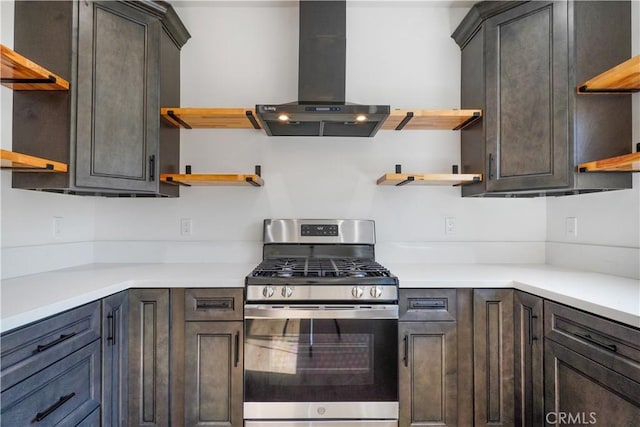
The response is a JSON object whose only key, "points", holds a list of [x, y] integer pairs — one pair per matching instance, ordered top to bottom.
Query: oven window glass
{"points": [[310, 360]]}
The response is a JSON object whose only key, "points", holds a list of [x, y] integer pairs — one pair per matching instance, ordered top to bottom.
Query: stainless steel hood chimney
{"points": [[321, 109]]}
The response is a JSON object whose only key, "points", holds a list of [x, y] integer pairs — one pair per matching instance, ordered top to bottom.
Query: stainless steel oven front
{"points": [[324, 365]]}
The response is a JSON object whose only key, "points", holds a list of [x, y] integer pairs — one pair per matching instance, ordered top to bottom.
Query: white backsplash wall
{"points": [[243, 53], [246, 53], [608, 224], [29, 244]]}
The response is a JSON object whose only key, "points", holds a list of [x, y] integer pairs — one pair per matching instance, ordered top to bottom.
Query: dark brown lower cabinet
{"points": [[115, 339], [148, 357], [207, 357], [528, 357], [493, 364], [428, 365], [591, 368], [213, 374], [428, 374], [580, 391]]}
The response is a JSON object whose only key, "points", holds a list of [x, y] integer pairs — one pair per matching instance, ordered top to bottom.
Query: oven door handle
{"points": [[259, 311]]}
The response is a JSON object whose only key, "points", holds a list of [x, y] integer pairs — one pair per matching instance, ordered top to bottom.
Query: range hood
{"points": [[321, 109]]}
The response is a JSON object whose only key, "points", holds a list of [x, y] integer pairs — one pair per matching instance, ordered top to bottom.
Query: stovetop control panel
{"points": [[318, 230], [364, 293]]}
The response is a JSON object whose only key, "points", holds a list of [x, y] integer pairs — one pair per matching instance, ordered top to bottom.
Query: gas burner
{"points": [[285, 272], [356, 273]]}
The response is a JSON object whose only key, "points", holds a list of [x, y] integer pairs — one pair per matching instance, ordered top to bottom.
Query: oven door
{"points": [[315, 362]]}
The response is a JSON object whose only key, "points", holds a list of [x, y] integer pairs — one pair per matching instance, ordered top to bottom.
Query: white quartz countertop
{"points": [[29, 298]]}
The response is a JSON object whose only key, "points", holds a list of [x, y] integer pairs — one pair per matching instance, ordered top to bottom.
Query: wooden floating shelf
{"points": [[19, 73], [623, 78], [211, 118], [245, 118], [431, 119], [19, 162], [624, 163], [398, 178], [205, 180]]}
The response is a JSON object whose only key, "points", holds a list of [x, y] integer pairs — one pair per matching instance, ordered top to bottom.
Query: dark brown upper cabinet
{"points": [[122, 60], [521, 63]]}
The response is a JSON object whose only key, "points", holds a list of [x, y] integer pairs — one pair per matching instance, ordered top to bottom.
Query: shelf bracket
{"points": [[50, 79], [585, 89], [252, 119], [407, 119], [468, 122], [184, 124], [48, 167], [258, 170], [251, 181], [406, 181], [475, 181], [172, 182]]}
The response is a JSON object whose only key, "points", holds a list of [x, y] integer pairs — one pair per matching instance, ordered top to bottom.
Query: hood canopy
{"points": [[321, 109]]}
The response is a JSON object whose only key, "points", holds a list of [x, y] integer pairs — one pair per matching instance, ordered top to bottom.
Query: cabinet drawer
{"points": [[213, 304], [417, 305], [611, 344], [32, 348], [65, 393]]}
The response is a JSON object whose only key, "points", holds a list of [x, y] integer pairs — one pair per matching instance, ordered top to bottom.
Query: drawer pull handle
{"points": [[224, 304], [426, 304], [111, 337], [588, 337], [62, 338], [236, 357], [405, 359], [44, 414]]}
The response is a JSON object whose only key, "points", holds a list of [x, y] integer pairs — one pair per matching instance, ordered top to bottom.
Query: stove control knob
{"points": [[268, 291], [287, 291], [357, 291], [376, 292]]}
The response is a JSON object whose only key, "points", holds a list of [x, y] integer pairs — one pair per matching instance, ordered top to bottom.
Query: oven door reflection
{"points": [[328, 360]]}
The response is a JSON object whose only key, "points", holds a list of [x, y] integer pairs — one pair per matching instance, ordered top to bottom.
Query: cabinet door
{"points": [[117, 97], [526, 113], [528, 354], [148, 357], [493, 357], [114, 359], [213, 374], [428, 374], [579, 391]]}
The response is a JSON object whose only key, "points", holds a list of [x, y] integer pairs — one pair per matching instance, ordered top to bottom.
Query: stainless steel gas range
{"points": [[321, 329]]}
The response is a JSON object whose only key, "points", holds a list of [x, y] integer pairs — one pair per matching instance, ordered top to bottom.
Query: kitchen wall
{"points": [[243, 53], [401, 55], [608, 224], [28, 242]]}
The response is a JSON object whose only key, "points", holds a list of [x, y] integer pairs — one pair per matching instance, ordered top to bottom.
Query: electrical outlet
{"points": [[449, 225], [186, 226], [571, 226], [57, 227]]}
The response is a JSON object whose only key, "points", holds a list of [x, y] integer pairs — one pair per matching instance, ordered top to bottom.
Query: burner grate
{"points": [[319, 267]]}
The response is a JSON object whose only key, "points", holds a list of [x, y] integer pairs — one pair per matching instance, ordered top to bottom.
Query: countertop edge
{"points": [[537, 280]]}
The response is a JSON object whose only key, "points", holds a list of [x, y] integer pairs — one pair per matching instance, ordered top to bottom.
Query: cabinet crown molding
{"points": [[477, 15]]}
